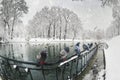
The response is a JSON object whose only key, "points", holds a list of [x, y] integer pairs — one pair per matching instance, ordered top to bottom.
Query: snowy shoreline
{"points": [[39, 40]]}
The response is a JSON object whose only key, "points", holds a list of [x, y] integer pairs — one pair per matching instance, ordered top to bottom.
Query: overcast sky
{"points": [[90, 11]]}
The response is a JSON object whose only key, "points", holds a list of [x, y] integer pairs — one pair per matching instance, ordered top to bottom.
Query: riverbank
{"points": [[38, 40], [95, 70]]}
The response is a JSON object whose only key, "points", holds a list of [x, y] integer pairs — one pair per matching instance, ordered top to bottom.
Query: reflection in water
{"points": [[28, 52]]}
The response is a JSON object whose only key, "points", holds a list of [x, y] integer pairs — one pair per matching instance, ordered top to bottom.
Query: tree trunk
{"points": [[12, 27], [49, 29], [60, 29], [118, 29], [6, 31], [54, 31], [60, 32], [65, 32], [43, 34], [74, 34], [4, 36]]}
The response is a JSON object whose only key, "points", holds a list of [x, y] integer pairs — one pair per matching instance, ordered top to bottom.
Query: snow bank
{"points": [[17, 40], [35, 40], [38, 40], [49, 40], [112, 59]]}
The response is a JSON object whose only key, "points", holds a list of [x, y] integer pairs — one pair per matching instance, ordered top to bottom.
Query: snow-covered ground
{"points": [[18, 40], [37, 40], [50, 40], [112, 59], [97, 68]]}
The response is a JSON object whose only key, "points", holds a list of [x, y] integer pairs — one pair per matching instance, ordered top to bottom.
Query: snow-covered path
{"points": [[112, 59], [98, 61]]}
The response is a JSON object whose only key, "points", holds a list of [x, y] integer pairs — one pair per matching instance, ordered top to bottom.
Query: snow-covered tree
{"points": [[110, 2], [10, 13], [54, 23], [114, 28]]}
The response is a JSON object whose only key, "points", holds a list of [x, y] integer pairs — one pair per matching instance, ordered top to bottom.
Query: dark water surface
{"points": [[28, 52]]}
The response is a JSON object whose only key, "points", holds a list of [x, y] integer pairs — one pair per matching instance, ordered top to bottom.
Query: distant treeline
{"points": [[55, 22]]}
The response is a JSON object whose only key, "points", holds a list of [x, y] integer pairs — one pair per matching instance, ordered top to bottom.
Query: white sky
{"points": [[90, 11]]}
